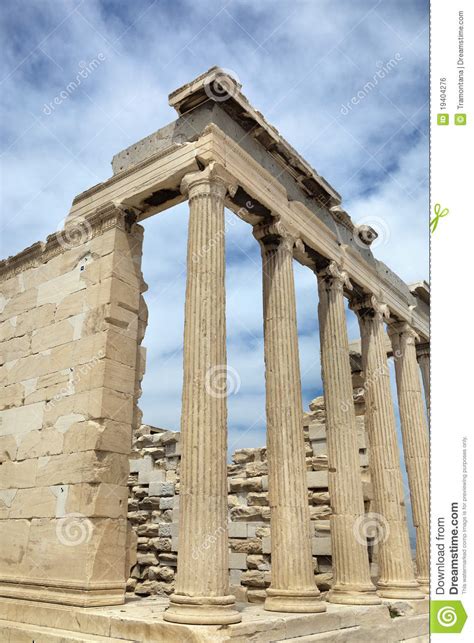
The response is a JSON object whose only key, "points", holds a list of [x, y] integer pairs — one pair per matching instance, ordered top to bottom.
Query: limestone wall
{"points": [[71, 320], [154, 509]]}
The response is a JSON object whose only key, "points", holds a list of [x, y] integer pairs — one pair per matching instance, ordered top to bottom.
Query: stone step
{"points": [[141, 621], [411, 629], [12, 632], [355, 634], [341, 636]]}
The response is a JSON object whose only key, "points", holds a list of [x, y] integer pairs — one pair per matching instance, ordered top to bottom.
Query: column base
{"points": [[424, 584], [409, 591], [353, 597], [281, 600], [202, 610]]}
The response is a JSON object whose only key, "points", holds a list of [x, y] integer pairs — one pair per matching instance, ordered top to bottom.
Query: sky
{"points": [[300, 63]]}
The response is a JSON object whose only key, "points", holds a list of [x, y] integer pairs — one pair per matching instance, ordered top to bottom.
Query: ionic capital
{"points": [[214, 180], [274, 234], [334, 276], [370, 306], [403, 329]]}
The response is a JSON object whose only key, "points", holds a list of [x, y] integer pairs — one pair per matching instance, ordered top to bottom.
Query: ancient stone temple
{"points": [[168, 542]]}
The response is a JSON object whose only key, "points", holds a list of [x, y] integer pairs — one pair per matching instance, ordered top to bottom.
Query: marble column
{"points": [[423, 356], [415, 440], [397, 577], [352, 583], [202, 586], [293, 587]]}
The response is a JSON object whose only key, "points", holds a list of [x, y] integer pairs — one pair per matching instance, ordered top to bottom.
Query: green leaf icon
{"points": [[447, 617]]}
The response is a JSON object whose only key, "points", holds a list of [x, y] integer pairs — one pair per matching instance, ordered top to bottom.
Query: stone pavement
{"points": [[141, 621]]}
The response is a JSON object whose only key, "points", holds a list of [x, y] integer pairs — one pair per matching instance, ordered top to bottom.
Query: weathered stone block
{"points": [[54, 290], [19, 304], [8, 330], [61, 333], [15, 348], [104, 372], [11, 396], [94, 404], [23, 419], [317, 431], [103, 435], [36, 444], [8, 448], [86, 466], [18, 475], [317, 479], [245, 484], [161, 489], [320, 498], [258, 499], [97, 500], [34, 503], [166, 503], [320, 512], [246, 513], [257, 529], [237, 530], [161, 544], [266, 545], [246, 546], [321, 546], [148, 558], [237, 561], [257, 562], [165, 574], [235, 576], [253, 578], [324, 581]]}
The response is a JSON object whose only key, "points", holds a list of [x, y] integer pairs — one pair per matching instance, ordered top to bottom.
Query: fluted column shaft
{"points": [[423, 356], [415, 440], [350, 562], [397, 579], [202, 587], [293, 587]]}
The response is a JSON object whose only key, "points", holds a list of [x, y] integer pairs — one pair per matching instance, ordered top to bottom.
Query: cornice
{"points": [[78, 231]]}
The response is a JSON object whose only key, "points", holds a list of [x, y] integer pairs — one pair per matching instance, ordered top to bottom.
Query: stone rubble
{"points": [[154, 508]]}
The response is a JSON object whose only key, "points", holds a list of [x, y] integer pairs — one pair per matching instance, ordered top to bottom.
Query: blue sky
{"points": [[299, 63]]}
